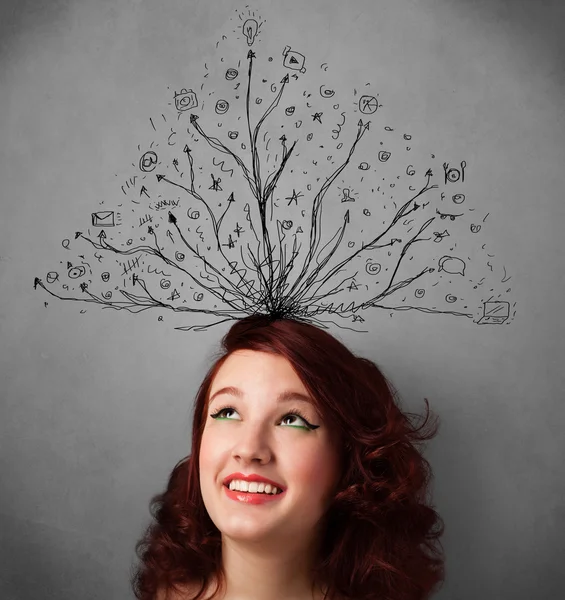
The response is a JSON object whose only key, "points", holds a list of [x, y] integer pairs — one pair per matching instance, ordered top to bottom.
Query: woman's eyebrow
{"points": [[285, 396]]}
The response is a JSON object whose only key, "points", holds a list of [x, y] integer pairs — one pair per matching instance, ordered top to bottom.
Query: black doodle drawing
{"points": [[292, 146]]}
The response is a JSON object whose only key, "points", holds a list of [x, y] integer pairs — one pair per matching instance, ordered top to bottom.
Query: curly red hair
{"points": [[381, 538]]}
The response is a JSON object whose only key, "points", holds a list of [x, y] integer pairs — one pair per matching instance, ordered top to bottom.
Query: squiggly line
{"points": [[338, 131], [221, 165], [200, 233], [157, 271]]}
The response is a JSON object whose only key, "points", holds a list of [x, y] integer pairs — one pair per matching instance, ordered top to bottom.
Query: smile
{"points": [[250, 498]]}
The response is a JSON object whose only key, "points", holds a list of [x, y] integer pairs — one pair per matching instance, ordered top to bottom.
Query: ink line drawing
{"points": [[231, 218]]}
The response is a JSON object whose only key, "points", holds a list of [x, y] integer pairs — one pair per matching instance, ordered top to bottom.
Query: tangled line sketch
{"points": [[221, 214]]}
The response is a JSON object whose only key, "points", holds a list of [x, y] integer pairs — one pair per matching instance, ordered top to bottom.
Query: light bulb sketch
{"points": [[250, 28]]}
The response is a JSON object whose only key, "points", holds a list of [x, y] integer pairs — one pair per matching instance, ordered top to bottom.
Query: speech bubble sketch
{"points": [[221, 224], [452, 264]]}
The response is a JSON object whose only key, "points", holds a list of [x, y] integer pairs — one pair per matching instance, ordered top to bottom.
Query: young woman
{"points": [[338, 506]]}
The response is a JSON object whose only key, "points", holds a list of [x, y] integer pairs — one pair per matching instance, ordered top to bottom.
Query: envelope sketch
{"points": [[104, 218]]}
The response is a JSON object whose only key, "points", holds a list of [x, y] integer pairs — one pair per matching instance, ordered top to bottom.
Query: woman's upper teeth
{"points": [[253, 487]]}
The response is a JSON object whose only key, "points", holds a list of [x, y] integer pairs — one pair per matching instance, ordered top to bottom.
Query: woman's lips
{"points": [[251, 498]]}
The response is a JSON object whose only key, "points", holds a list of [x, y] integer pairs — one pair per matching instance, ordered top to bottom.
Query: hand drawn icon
{"points": [[250, 29], [294, 60], [326, 93], [185, 100], [368, 104], [222, 107], [148, 161], [453, 175], [458, 198], [443, 216], [103, 218], [475, 228], [440, 235], [452, 264], [372, 268], [76, 272], [278, 287], [494, 312]]}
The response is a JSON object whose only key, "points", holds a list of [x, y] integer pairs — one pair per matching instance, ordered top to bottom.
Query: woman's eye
{"points": [[222, 414], [293, 416]]}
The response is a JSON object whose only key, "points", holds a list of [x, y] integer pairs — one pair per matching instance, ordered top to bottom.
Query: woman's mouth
{"points": [[252, 498]]}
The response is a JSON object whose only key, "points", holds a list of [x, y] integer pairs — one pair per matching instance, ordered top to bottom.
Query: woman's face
{"points": [[259, 435]]}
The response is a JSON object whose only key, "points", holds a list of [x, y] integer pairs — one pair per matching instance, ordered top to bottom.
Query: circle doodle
{"points": [[325, 93], [368, 104], [222, 107], [148, 161], [76, 272]]}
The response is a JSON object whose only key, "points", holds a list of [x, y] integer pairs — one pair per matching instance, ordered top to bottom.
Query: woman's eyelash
{"points": [[293, 412]]}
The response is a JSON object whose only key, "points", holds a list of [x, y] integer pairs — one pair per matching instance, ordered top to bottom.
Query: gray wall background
{"points": [[95, 406]]}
